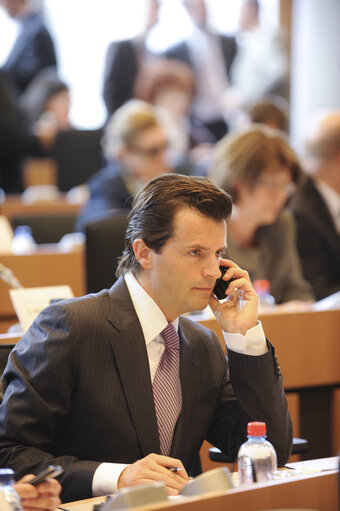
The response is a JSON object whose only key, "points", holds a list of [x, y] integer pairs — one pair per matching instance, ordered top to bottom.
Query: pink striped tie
{"points": [[166, 387]]}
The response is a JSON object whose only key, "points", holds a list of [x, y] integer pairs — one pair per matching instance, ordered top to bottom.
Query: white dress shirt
{"points": [[153, 321]]}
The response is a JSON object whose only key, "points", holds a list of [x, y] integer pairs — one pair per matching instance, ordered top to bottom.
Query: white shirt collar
{"points": [[150, 316]]}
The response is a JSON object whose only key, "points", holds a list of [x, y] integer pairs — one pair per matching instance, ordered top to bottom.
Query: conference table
{"points": [[315, 488]]}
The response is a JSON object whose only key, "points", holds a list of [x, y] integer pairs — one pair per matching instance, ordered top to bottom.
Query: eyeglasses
{"points": [[149, 151], [276, 186]]}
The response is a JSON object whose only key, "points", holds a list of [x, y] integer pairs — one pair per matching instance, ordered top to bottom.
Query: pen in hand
{"points": [[174, 469]]}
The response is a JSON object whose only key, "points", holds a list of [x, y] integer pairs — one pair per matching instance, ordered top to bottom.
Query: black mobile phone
{"points": [[221, 285], [50, 471]]}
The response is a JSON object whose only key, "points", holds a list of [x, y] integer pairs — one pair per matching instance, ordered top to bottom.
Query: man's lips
{"points": [[204, 289]]}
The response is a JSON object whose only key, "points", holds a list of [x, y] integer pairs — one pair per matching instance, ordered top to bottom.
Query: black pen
{"points": [[174, 469]]}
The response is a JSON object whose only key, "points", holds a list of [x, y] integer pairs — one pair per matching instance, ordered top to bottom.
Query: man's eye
{"points": [[194, 252]]}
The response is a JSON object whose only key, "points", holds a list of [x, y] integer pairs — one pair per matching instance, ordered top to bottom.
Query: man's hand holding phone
{"points": [[239, 313]]}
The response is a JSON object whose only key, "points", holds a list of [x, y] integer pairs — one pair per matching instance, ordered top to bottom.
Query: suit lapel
{"points": [[133, 366]]}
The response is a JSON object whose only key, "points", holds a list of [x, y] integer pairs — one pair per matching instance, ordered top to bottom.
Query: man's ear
{"points": [[142, 253]]}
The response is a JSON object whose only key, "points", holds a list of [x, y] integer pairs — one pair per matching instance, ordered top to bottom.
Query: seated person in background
{"points": [[171, 85], [47, 98], [273, 111], [16, 140], [135, 145], [259, 169], [316, 206], [90, 386], [44, 496]]}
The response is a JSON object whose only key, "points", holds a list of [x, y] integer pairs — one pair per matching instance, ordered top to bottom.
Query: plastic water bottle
{"points": [[23, 242], [262, 289], [256, 458], [9, 499]]}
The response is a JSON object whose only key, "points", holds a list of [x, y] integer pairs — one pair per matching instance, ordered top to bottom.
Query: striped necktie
{"points": [[167, 389]]}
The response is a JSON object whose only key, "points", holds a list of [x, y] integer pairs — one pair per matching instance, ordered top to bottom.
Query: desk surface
{"points": [[318, 491]]}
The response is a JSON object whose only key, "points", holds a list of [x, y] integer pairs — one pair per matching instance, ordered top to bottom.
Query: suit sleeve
{"points": [[256, 383], [34, 410]]}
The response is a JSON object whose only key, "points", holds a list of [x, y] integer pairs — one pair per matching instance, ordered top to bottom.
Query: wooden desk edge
{"points": [[210, 497]]}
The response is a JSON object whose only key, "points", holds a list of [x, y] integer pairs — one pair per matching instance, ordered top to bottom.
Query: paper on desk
{"points": [[28, 302], [318, 465]]}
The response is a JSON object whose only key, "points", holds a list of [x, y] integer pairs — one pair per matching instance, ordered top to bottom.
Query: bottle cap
{"points": [[261, 286], [256, 428], [6, 475]]}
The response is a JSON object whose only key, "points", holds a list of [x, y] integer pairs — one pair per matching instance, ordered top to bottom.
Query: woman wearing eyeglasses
{"points": [[260, 171]]}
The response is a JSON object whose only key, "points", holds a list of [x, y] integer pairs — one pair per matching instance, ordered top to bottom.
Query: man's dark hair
{"points": [[156, 205]]}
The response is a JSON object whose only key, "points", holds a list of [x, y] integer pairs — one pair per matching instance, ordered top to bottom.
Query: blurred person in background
{"points": [[33, 49], [210, 55], [123, 61], [261, 65], [171, 85], [47, 98], [273, 111], [16, 140], [135, 145], [260, 171], [316, 205]]}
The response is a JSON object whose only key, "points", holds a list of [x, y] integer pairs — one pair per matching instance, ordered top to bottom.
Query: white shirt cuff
{"points": [[253, 343], [106, 477]]}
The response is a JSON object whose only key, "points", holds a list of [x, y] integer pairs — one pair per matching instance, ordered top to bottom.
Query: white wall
{"points": [[315, 82]]}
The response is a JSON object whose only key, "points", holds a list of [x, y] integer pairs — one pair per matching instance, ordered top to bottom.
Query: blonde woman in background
{"points": [[260, 171]]}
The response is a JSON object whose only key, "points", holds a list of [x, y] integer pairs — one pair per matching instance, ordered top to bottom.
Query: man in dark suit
{"points": [[33, 49], [210, 55], [124, 60], [316, 206], [80, 385]]}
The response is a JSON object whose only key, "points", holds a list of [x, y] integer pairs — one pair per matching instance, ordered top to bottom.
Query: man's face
{"points": [[13, 7], [146, 156], [181, 277]]}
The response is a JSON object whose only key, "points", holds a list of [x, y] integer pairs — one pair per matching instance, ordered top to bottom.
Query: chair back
{"points": [[78, 154], [48, 228], [104, 244]]}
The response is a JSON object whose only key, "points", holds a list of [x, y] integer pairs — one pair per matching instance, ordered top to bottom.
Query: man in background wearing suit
{"points": [[33, 50], [210, 55], [123, 61], [316, 206], [82, 387]]}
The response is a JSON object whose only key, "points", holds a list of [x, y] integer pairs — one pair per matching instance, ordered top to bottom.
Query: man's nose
{"points": [[212, 269]]}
